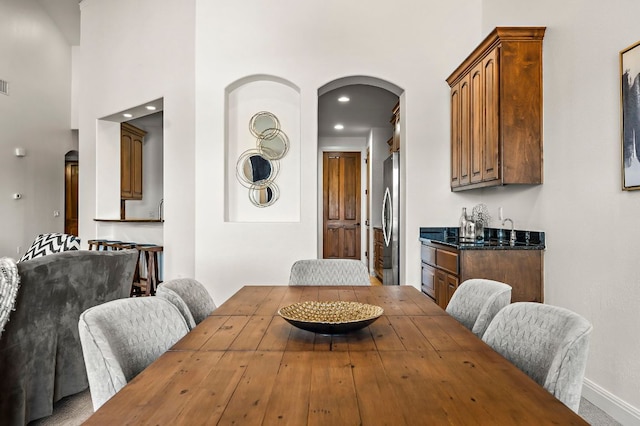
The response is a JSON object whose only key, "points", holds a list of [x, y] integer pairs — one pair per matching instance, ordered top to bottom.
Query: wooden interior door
{"points": [[71, 198], [341, 205]]}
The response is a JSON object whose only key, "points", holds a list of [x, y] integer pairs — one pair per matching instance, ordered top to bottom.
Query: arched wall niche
{"points": [[243, 99]]}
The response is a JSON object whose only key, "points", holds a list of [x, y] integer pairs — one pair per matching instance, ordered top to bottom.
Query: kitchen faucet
{"points": [[160, 209], [512, 236]]}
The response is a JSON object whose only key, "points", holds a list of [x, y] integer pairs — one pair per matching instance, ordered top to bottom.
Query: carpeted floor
{"points": [[75, 409], [70, 411], [595, 416]]}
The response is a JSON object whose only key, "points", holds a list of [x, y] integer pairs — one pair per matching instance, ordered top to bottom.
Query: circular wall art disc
{"points": [[264, 125], [275, 147], [255, 169], [264, 196]]}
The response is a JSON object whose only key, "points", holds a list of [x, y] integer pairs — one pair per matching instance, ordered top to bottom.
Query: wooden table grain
{"points": [[415, 365]]}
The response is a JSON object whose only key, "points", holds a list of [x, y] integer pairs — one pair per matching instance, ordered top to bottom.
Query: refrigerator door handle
{"points": [[387, 221]]}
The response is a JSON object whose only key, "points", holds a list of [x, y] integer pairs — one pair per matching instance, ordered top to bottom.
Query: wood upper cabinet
{"points": [[496, 111], [395, 122], [131, 139]]}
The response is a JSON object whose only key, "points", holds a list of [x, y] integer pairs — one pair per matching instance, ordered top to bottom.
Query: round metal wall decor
{"points": [[264, 124], [274, 147], [258, 168], [255, 169], [264, 196]]}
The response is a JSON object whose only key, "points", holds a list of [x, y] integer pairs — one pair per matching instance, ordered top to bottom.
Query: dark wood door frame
{"points": [[71, 197]]}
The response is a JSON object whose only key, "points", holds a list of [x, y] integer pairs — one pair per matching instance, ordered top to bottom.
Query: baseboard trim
{"points": [[625, 413]]}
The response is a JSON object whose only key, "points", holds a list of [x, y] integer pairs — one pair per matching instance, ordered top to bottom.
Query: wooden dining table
{"points": [[415, 365]]}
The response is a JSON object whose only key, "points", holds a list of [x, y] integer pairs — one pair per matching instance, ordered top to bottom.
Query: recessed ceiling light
{"points": [[343, 99], [150, 107], [127, 115], [338, 127]]}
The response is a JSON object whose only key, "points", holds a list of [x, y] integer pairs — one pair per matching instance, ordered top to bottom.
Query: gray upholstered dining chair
{"points": [[329, 272], [9, 284], [190, 297], [476, 301], [122, 337], [549, 343]]}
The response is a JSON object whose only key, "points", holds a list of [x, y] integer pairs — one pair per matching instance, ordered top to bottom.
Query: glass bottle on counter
{"points": [[462, 223], [467, 228]]}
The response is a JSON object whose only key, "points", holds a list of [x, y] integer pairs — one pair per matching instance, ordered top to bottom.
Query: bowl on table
{"points": [[330, 317]]}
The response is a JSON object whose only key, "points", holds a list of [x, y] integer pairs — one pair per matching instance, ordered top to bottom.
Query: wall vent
{"points": [[4, 87]]}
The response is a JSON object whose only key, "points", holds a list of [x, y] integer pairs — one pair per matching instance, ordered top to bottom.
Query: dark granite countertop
{"points": [[494, 239]]}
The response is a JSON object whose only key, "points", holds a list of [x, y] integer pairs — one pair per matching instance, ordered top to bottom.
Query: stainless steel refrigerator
{"points": [[391, 220]]}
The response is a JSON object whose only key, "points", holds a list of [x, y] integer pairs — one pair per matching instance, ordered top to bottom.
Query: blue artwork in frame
{"points": [[630, 119]]}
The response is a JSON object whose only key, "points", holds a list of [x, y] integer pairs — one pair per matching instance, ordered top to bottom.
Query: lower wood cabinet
{"points": [[378, 247], [445, 267]]}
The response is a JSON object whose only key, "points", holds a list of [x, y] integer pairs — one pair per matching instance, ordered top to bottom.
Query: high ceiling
{"points": [[66, 15], [369, 106]]}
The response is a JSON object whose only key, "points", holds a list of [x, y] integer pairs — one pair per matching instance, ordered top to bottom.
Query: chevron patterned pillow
{"points": [[51, 243]]}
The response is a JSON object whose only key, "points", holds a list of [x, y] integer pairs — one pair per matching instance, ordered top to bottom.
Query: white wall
{"points": [[314, 43], [150, 56], [36, 61], [589, 221], [591, 262]]}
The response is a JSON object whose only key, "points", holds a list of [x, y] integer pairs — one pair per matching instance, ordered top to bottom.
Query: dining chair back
{"points": [[329, 272], [9, 283], [190, 297], [476, 301], [122, 337], [549, 343]]}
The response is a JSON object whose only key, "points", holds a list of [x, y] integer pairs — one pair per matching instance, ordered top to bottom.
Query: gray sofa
{"points": [[40, 354]]}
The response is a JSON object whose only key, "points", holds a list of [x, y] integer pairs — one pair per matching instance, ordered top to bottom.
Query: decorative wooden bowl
{"points": [[331, 317]]}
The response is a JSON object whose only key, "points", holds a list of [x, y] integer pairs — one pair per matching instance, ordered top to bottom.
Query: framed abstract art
{"points": [[630, 116]]}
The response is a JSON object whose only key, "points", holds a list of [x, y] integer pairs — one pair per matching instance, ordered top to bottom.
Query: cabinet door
{"points": [[491, 94], [396, 128], [465, 131], [460, 132], [455, 136], [131, 139], [476, 144], [136, 168], [126, 187], [378, 263], [523, 270], [429, 281], [452, 286], [442, 298]]}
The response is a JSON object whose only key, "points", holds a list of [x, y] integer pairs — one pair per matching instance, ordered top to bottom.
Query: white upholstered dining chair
{"points": [[329, 272], [190, 297], [476, 301], [122, 337], [549, 343]]}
